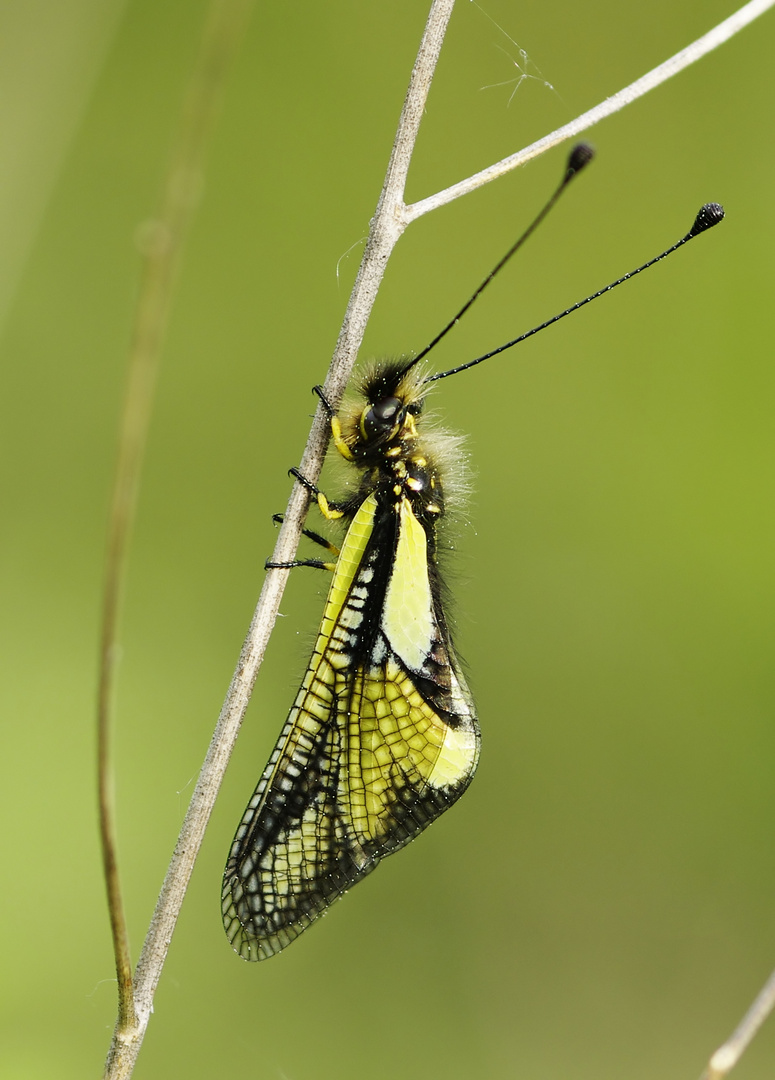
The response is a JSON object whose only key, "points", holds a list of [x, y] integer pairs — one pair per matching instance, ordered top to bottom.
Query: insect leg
{"points": [[336, 427], [328, 510], [332, 510], [315, 537], [316, 564]]}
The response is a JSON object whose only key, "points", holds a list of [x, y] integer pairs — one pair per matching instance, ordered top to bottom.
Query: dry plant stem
{"points": [[690, 55], [390, 219], [386, 228], [162, 241], [728, 1055]]}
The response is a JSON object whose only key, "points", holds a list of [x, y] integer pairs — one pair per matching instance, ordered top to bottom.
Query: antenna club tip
{"points": [[579, 157], [709, 215]]}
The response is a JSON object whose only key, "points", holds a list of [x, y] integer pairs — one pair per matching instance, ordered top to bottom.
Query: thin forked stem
{"points": [[658, 75], [390, 220], [127, 1042]]}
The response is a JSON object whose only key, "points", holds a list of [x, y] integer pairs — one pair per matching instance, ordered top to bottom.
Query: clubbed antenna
{"points": [[579, 157], [708, 216]]}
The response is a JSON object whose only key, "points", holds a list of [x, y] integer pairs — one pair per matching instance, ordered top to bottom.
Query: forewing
{"points": [[382, 739]]}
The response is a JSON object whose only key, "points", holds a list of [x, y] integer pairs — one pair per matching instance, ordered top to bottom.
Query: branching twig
{"points": [[690, 55], [390, 219], [385, 231]]}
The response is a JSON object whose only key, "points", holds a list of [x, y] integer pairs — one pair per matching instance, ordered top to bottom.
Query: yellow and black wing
{"points": [[382, 738]]}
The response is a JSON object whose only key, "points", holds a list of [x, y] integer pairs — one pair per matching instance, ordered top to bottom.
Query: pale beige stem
{"points": [[683, 59], [390, 219], [384, 233], [728, 1055]]}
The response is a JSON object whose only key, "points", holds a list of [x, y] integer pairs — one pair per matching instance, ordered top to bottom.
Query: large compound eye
{"points": [[380, 418]]}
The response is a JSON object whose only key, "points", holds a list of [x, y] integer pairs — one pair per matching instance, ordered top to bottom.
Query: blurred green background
{"points": [[602, 902]]}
